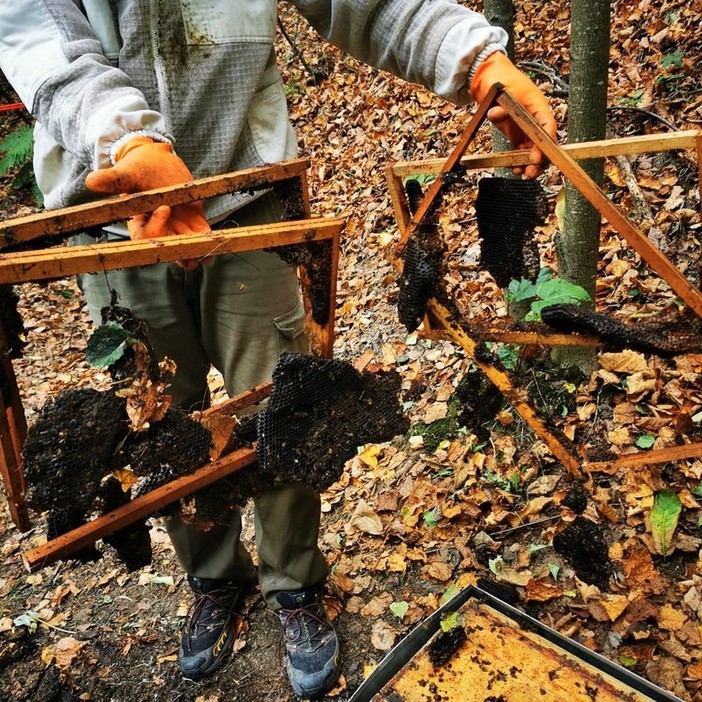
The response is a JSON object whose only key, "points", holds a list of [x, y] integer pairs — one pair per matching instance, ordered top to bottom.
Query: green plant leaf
{"points": [[675, 59], [16, 148], [559, 288], [519, 290], [107, 344], [508, 355], [646, 441], [697, 492], [431, 517], [664, 519], [535, 548], [495, 564], [554, 569], [451, 591], [399, 609], [28, 619], [451, 621], [628, 661]]}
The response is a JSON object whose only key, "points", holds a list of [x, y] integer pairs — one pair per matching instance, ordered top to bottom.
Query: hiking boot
{"points": [[211, 627], [311, 643]]}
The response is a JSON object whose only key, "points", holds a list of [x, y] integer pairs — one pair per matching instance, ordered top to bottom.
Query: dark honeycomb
{"points": [[507, 210], [315, 257], [423, 262], [11, 322], [12, 329], [669, 337], [480, 401], [319, 412], [71, 447], [171, 448], [60, 520], [133, 543], [582, 543]]}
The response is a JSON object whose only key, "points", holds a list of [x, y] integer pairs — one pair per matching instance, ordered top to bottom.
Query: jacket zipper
{"points": [[159, 66]]}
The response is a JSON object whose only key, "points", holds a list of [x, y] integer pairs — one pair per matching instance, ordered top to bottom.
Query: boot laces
{"points": [[208, 611], [306, 625]]}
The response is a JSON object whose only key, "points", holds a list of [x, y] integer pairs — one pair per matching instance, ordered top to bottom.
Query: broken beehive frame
{"points": [[26, 265], [443, 322]]}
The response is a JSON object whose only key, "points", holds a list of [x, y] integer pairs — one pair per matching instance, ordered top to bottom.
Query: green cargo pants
{"points": [[238, 313]]}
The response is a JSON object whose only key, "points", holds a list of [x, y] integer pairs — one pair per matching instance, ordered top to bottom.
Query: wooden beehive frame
{"points": [[564, 158], [42, 264]]}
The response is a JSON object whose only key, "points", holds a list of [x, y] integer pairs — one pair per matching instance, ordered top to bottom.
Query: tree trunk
{"points": [[500, 13], [587, 120]]}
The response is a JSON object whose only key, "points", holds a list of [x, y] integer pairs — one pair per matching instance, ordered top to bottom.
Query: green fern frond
{"points": [[16, 148]]}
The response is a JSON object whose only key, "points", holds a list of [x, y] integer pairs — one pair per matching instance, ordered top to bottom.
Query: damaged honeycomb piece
{"points": [[508, 210], [423, 262], [666, 337], [319, 412], [70, 448]]}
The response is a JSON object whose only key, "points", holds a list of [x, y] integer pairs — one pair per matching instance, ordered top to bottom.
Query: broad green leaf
{"points": [[561, 289], [519, 290], [107, 344], [697, 492], [664, 519], [554, 569], [450, 592], [399, 609]]}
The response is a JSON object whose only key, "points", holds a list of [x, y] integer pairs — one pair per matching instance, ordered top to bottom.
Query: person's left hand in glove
{"points": [[497, 68], [144, 164]]}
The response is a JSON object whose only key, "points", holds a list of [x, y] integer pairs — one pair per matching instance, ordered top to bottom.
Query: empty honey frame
{"points": [[564, 158], [27, 265]]}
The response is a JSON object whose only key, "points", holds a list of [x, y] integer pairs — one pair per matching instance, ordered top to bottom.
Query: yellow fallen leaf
{"points": [[435, 411], [369, 455], [126, 478], [614, 605], [670, 618]]}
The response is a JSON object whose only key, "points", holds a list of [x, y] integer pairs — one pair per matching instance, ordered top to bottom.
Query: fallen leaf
{"points": [[624, 362], [664, 519], [366, 520], [440, 571], [614, 605], [670, 619], [383, 636], [62, 653]]}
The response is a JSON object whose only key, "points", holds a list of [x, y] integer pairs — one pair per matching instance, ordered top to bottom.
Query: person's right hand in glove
{"points": [[497, 68], [144, 164]]}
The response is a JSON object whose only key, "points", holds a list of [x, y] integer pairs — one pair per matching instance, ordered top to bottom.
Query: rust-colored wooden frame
{"points": [[564, 158], [18, 266]]}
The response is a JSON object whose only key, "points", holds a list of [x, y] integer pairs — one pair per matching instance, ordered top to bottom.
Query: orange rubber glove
{"points": [[497, 68], [145, 164]]}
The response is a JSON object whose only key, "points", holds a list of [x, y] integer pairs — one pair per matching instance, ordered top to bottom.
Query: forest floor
{"points": [[464, 495]]}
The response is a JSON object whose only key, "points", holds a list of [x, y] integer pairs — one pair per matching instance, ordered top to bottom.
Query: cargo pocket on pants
{"points": [[291, 328]]}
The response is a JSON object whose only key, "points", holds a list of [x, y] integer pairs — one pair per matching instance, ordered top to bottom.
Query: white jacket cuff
{"points": [[460, 55]]}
